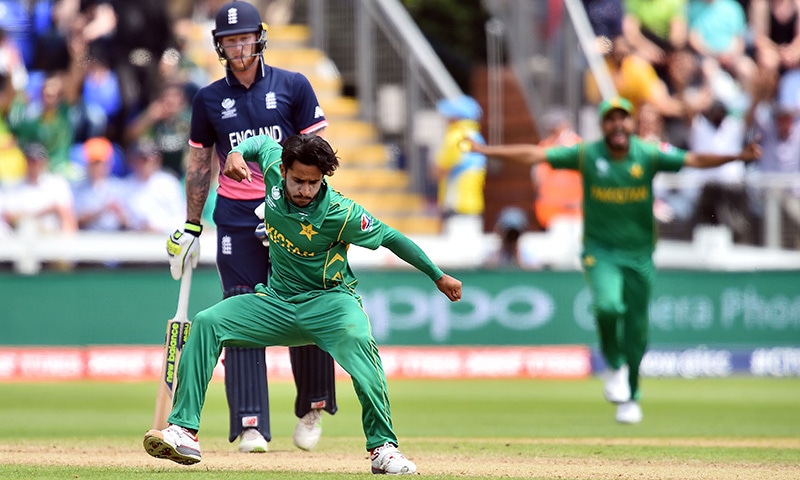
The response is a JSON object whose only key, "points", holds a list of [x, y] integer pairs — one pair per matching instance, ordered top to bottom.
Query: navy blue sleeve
{"points": [[307, 114], [201, 131]]}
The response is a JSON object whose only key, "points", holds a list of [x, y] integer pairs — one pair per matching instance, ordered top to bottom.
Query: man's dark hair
{"points": [[309, 149]]}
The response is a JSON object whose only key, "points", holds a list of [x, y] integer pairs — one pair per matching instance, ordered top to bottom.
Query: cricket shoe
{"points": [[616, 388], [629, 412], [308, 430], [251, 441], [173, 443], [388, 460]]}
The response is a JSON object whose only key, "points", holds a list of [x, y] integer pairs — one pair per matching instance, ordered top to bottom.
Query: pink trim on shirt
{"points": [[315, 127], [243, 190]]}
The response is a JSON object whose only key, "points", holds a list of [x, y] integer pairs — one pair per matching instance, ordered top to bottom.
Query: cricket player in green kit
{"points": [[619, 233], [310, 297]]}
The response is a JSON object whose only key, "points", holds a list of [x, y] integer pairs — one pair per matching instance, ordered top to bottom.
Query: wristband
{"points": [[193, 228]]}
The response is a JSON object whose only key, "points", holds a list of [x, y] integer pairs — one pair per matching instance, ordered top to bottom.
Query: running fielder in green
{"points": [[619, 233], [310, 297]]}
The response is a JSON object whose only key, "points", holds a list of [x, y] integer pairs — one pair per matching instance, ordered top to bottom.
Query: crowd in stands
{"points": [[710, 75], [95, 100], [95, 105]]}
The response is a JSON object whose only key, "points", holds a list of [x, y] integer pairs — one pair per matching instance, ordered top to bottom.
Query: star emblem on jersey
{"points": [[636, 171], [308, 231], [589, 260]]}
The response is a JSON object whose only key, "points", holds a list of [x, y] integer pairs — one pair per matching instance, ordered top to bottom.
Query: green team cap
{"points": [[616, 103]]}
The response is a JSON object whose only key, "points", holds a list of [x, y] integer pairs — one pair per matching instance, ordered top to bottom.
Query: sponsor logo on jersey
{"points": [[270, 101], [228, 108], [318, 112], [666, 147], [601, 164], [366, 223]]}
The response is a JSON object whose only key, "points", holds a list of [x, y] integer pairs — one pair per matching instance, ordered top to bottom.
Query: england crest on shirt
{"points": [[270, 101]]}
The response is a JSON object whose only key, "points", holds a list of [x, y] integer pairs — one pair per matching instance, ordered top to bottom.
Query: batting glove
{"points": [[259, 211], [261, 234], [183, 247]]}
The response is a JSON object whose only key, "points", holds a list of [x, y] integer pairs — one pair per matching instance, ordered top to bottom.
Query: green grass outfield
{"points": [[742, 427]]}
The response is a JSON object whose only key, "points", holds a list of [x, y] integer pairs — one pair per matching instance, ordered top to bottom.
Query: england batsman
{"points": [[252, 99], [619, 233]]}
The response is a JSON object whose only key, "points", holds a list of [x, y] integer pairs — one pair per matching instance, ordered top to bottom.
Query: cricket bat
{"points": [[177, 334]]}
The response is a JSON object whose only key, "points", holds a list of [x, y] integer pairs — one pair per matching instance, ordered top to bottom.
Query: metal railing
{"points": [[548, 49], [388, 66], [767, 195]]}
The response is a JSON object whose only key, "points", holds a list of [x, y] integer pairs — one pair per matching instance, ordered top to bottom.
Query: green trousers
{"points": [[621, 284], [333, 319]]}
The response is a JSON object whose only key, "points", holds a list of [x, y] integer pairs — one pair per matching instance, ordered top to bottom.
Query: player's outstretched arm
{"points": [[751, 151], [526, 154], [410, 252]]}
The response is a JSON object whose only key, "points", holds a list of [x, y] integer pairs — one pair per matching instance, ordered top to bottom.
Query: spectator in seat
{"points": [[775, 26], [656, 30], [717, 33], [635, 79], [166, 122], [47, 123], [777, 127], [12, 160], [461, 175], [557, 193], [719, 194], [99, 198], [155, 199], [42, 202], [510, 253]]}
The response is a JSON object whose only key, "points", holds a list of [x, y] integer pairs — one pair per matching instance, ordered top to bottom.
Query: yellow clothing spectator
{"points": [[461, 174]]}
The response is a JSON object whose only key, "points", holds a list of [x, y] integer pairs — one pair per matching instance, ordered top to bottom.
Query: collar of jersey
{"points": [[261, 73]]}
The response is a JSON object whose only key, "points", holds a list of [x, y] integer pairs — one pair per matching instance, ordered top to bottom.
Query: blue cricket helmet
{"points": [[236, 18]]}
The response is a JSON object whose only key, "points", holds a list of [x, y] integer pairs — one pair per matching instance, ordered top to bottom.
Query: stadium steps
{"points": [[282, 37], [367, 172]]}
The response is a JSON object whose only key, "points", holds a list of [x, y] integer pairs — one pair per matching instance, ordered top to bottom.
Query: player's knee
{"points": [[608, 309], [205, 319], [353, 339]]}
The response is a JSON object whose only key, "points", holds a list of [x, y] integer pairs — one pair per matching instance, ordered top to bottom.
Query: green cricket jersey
{"points": [[618, 194], [319, 234]]}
